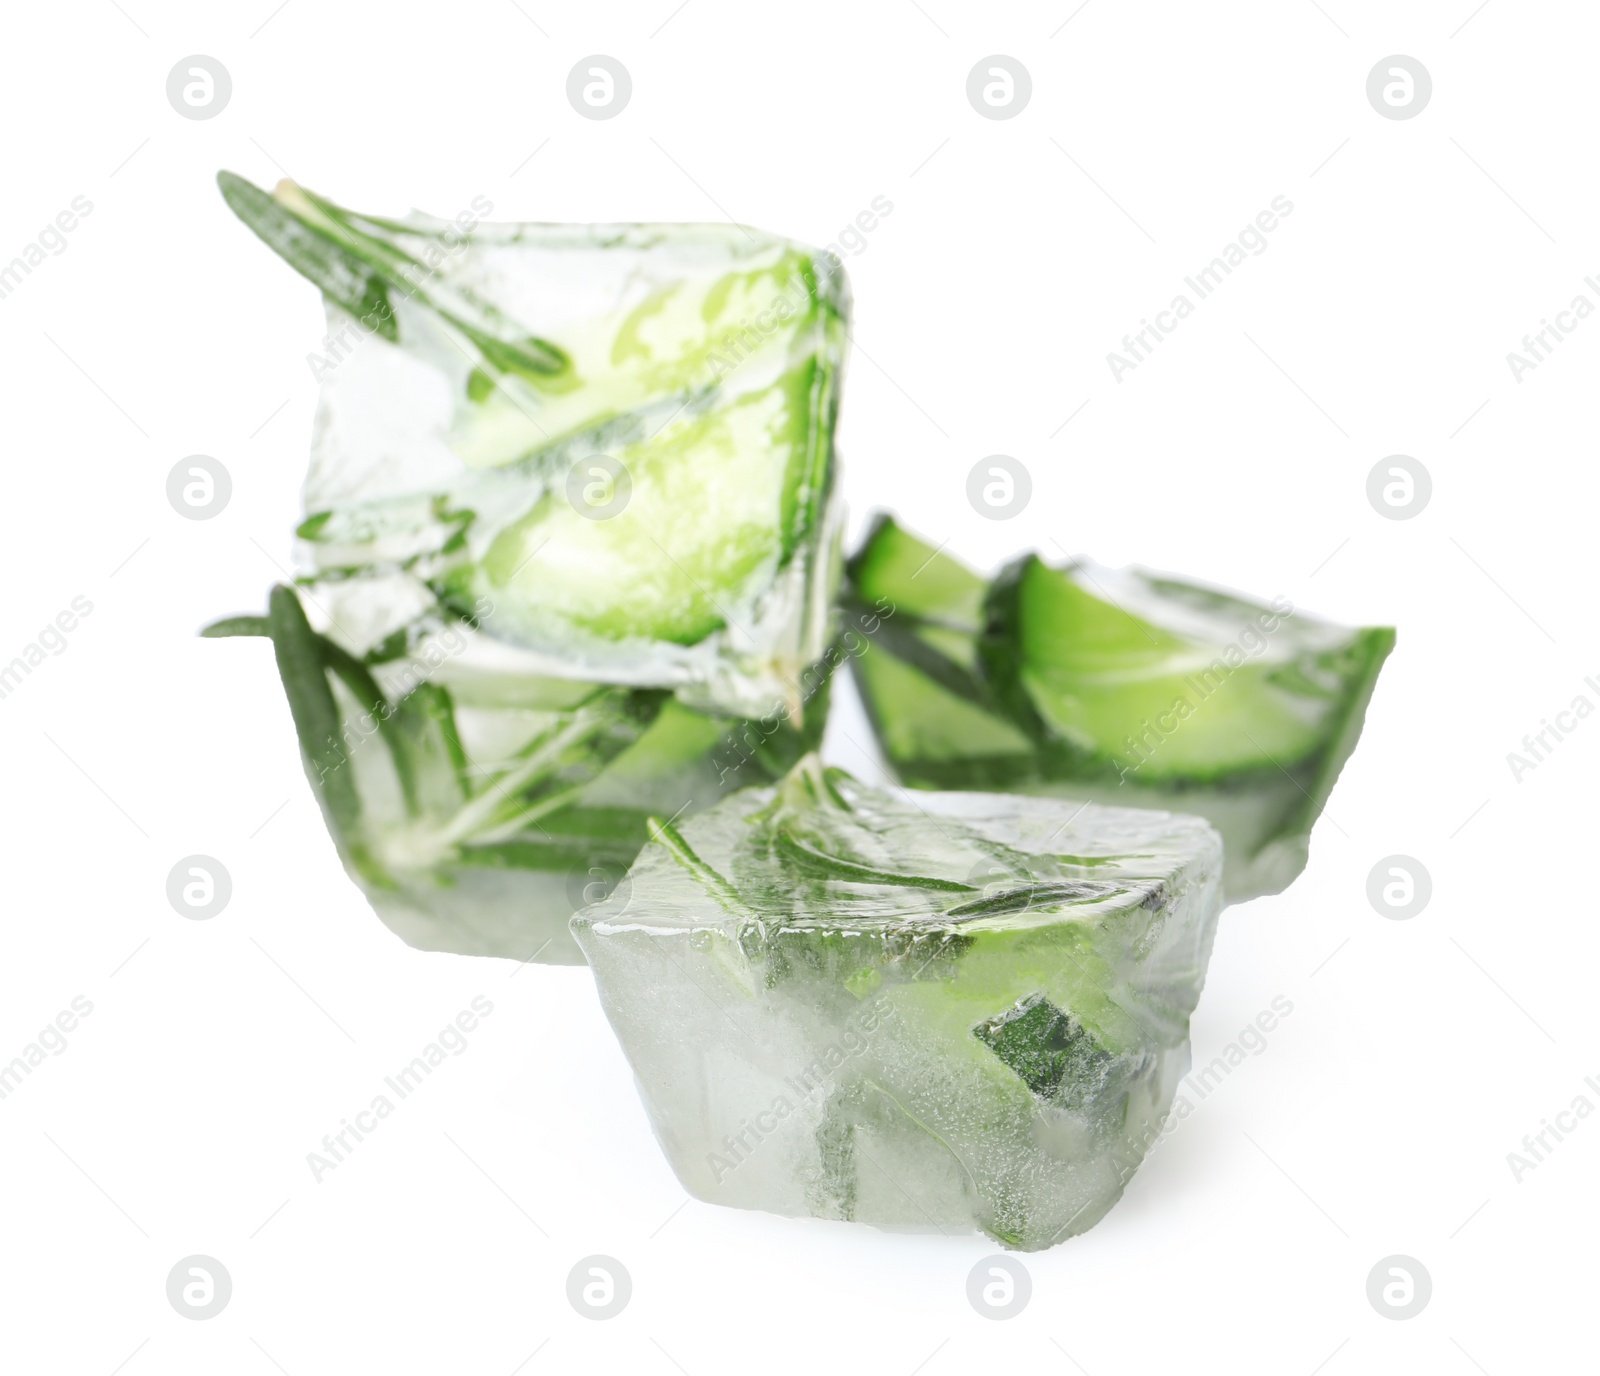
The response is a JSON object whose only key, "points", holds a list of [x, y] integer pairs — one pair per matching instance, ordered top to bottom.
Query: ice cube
{"points": [[617, 437], [571, 546], [1132, 688], [478, 809], [944, 1010]]}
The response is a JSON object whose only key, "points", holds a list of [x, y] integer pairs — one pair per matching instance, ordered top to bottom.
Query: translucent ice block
{"points": [[619, 436], [570, 546], [1133, 688], [477, 805], [945, 1010]]}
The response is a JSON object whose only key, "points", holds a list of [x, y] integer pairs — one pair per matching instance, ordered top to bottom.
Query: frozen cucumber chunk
{"points": [[620, 435], [569, 548], [1125, 686], [478, 807], [943, 1010], [1051, 1051]]}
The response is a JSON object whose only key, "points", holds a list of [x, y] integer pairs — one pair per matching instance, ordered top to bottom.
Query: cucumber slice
{"points": [[472, 369], [557, 571], [916, 579], [1121, 686], [501, 690], [1131, 695], [936, 738]]}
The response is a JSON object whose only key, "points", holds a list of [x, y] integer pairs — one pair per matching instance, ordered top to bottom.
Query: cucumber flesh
{"points": [[1123, 686]]}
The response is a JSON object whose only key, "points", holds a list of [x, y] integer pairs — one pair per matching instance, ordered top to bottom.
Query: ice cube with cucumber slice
{"points": [[622, 435], [570, 546], [1125, 686], [948, 1011]]}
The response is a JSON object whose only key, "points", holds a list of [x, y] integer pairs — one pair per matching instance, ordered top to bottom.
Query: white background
{"points": [[1018, 252]]}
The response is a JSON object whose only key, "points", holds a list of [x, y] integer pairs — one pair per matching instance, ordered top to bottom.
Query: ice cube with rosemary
{"points": [[620, 435], [570, 545], [1129, 687], [477, 802], [945, 1010]]}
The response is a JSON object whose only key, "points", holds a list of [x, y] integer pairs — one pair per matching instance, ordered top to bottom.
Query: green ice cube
{"points": [[621, 436], [570, 545], [1133, 688], [477, 810], [945, 1010]]}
